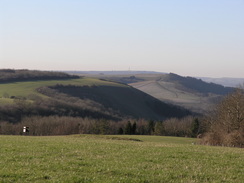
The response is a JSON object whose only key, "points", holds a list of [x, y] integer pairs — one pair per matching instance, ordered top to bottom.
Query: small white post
{"points": [[24, 129]]}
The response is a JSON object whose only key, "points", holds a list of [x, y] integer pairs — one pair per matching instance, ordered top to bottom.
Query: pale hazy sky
{"points": [[187, 37]]}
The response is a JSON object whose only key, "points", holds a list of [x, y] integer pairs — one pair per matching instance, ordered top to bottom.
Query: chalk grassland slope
{"points": [[168, 92], [188, 92], [116, 159]]}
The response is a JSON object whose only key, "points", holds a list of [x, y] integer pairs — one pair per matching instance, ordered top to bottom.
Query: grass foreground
{"points": [[97, 158]]}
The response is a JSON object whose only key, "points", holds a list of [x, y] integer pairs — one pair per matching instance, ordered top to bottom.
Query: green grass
{"points": [[29, 87], [6, 101], [94, 158]]}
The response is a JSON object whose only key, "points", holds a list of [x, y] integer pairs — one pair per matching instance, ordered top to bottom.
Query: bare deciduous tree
{"points": [[226, 124]]}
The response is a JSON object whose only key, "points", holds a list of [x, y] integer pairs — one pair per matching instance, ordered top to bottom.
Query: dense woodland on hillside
{"points": [[198, 85], [123, 99]]}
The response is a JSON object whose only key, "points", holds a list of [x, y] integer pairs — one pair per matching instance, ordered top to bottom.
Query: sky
{"points": [[187, 37]]}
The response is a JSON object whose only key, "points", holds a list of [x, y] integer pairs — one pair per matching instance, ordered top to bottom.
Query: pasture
{"points": [[27, 88], [97, 158]]}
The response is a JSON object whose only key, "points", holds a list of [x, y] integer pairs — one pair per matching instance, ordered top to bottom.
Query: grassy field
{"points": [[29, 87], [167, 91], [91, 158]]}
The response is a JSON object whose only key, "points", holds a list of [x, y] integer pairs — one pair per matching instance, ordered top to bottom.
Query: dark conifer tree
{"points": [[150, 127], [195, 127], [128, 128], [133, 130], [120, 131]]}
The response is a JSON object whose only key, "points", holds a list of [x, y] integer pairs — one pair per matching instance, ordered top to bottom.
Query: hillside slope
{"points": [[196, 85], [188, 92], [191, 93], [82, 97], [122, 100]]}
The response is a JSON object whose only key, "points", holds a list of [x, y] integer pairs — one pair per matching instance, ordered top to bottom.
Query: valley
{"points": [[81, 97]]}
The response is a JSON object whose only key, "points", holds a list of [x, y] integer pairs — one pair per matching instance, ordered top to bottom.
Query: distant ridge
{"points": [[113, 72], [225, 81], [198, 85]]}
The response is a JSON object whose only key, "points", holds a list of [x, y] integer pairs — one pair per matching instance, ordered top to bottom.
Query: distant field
{"points": [[29, 87], [167, 91], [94, 158]]}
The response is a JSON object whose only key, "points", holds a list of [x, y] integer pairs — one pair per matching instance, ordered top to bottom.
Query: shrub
{"points": [[225, 126]]}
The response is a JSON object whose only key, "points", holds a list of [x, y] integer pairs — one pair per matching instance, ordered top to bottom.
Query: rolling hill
{"points": [[188, 92], [191, 93], [81, 97], [123, 100]]}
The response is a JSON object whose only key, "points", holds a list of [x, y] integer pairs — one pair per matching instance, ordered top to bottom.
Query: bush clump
{"points": [[225, 126]]}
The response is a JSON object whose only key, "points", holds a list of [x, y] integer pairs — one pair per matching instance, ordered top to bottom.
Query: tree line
{"points": [[11, 75], [64, 125]]}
